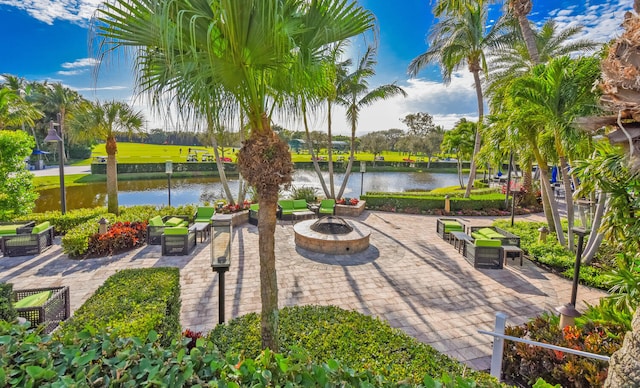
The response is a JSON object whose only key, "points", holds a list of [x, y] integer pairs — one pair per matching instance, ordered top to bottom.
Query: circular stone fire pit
{"points": [[332, 235]]}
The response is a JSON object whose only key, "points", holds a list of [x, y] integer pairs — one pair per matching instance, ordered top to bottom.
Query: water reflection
{"points": [[198, 190]]}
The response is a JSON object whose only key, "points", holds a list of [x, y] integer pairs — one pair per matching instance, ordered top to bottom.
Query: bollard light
{"points": [[53, 137], [168, 168], [363, 169], [447, 204], [102, 225], [543, 233], [221, 236]]}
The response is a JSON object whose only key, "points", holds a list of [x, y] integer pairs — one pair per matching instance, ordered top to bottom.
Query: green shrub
{"points": [[308, 193], [415, 202], [145, 212], [62, 223], [76, 242], [131, 303], [7, 311], [354, 339], [97, 359], [524, 364]]}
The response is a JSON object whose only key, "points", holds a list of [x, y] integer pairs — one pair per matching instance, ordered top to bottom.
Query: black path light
{"points": [[53, 137], [168, 168], [363, 169], [583, 211], [221, 236]]}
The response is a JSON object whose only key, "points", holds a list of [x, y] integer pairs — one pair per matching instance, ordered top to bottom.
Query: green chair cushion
{"points": [[286, 204], [300, 204], [327, 205], [254, 206], [205, 212], [156, 221], [173, 221], [450, 223], [40, 227], [453, 228], [8, 229], [176, 230], [490, 233], [486, 242], [33, 300]]}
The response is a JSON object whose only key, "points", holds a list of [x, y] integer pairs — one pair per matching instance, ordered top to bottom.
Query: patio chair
{"points": [[327, 207], [253, 213], [204, 214], [157, 224], [444, 226], [39, 240], [178, 240], [484, 253], [46, 306]]}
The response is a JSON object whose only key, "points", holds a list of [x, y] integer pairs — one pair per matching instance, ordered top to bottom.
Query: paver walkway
{"points": [[408, 277]]}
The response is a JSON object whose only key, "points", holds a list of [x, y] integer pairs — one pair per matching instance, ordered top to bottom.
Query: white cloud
{"points": [[47, 11], [83, 62], [71, 72], [115, 87]]}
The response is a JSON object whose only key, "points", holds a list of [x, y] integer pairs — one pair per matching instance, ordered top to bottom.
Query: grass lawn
{"points": [[154, 153]]}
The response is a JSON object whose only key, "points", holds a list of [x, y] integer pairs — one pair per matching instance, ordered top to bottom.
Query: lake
{"points": [[199, 190]]}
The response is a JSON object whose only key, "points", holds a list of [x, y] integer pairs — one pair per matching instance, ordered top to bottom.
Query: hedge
{"points": [[139, 168], [393, 202], [63, 223], [131, 303], [357, 340], [105, 360]]}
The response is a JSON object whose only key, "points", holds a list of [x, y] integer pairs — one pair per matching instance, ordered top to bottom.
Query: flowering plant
{"points": [[348, 201], [237, 207], [120, 237]]}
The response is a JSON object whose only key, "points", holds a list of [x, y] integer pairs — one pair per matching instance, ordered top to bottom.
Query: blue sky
{"points": [[48, 40]]}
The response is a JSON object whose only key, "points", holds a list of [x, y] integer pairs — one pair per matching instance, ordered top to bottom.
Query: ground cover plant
{"points": [[131, 303], [354, 339]]}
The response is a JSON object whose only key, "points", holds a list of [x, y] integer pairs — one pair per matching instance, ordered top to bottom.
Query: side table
{"points": [[512, 252]]}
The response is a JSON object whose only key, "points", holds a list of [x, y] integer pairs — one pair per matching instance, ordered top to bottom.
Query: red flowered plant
{"points": [[347, 201], [237, 207], [120, 237], [192, 336]]}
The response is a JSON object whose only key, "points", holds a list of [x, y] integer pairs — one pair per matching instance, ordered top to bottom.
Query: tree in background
{"points": [[462, 37], [101, 121], [420, 123], [425, 134], [459, 141], [374, 142], [17, 194]]}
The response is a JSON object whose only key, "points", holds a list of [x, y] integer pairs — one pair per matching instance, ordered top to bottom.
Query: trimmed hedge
{"points": [[142, 168], [424, 203], [63, 223], [132, 303], [7, 310], [357, 340], [105, 360]]}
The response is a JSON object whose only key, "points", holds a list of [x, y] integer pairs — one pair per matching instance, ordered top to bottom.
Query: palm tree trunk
{"points": [[529, 38], [478, 141], [330, 151], [351, 157], [314, 160], [221, 172], [112, 175], [527, 183], [568, 198], [553, 207], [595, 237], [268, 278]]}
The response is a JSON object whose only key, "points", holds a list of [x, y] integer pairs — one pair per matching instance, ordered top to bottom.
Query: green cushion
{"points": [[286, 204], [300, 204], [254, 206], [205, 212], [156, 221], [173, 221], [450, 223], [40, 227], [453, 228], [8, 229], [176, 230], [490, 233], [477, 235], [485, 242], [33, 300]]}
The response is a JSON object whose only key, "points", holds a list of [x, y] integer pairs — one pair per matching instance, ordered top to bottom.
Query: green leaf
{"points": [[35, 372]]}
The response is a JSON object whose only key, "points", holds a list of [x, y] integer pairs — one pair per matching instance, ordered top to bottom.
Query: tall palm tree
{"points": [[520, 9], [459, 39], [262, 54], [354, 94], [28, 113], [98, 120]]}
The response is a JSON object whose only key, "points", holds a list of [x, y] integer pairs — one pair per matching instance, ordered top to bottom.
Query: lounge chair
{"points": [[327, 207], [204, 214], [157, 225], [444, 226], [178, 240], [34, 243]]}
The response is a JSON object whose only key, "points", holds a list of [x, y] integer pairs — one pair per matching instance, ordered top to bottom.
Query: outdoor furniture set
{"points": [[299, 209], [22, 239], [483, 247], [43, 306]]}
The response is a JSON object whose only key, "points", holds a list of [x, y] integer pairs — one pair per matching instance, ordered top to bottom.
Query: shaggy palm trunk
{"points": [[529, 38], [478, 140], [265, 162], [112, 175], [527, 183], [624, 367]]}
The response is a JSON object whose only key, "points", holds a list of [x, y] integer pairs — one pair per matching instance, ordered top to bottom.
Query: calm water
{"points": [[198, 190]]}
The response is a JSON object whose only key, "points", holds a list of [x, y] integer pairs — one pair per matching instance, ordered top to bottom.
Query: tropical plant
{"points": [[459, 38], [257, 55], [101, 121], [459, 141], [17, 194]]}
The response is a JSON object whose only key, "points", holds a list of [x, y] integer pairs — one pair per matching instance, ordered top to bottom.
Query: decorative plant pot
{"points": [[350, 210]]}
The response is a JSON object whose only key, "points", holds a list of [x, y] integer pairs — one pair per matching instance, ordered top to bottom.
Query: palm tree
{"points": [[460, 39], [261, 54], [354, 94], [27, 113], [93, 121], [460, 141]]}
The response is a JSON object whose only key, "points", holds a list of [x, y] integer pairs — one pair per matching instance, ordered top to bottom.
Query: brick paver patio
{"points": [[408, 277]]}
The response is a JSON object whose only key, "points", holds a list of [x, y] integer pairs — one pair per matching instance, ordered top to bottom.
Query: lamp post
{"points": [[53, 137], [168, 168], [363, 169], [222, 233], [568, 312]]}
